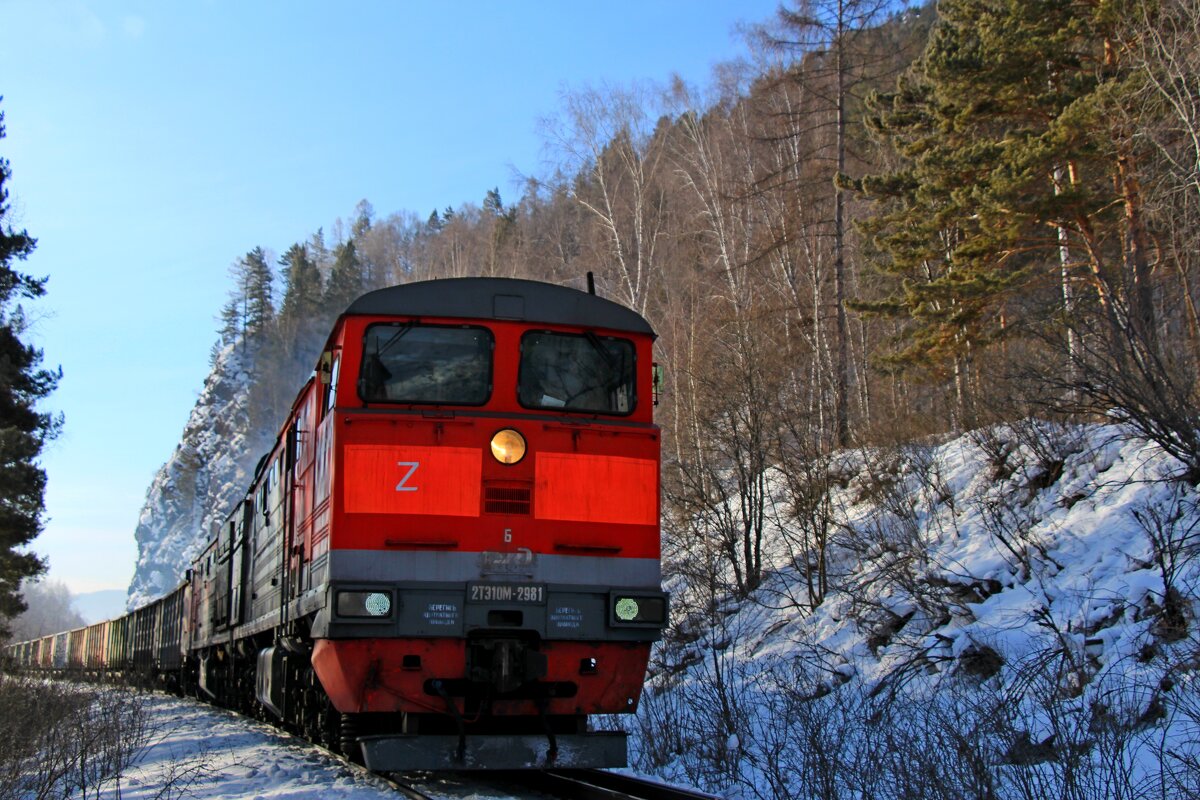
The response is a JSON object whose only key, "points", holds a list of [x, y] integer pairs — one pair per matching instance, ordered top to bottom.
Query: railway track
{"points": [[533, 784], [595, 784], [537, 785], [409, 790]]}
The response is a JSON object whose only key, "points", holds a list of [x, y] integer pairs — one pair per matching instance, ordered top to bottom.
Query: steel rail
{"points": [[596, 784]]}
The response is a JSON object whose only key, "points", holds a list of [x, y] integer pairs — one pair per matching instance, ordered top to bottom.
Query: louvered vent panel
{"points": [[506, 500]]}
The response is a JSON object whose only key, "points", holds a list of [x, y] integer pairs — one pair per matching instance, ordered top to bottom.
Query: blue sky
{"points": [[152, 144]]}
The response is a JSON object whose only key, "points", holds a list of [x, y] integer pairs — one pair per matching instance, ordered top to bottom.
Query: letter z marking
{"points": [[403, 486]]}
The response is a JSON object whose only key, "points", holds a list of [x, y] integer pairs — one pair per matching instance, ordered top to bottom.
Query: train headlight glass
{"points": [[508, 446], [364, 604], [627, 609], [639, 610]]}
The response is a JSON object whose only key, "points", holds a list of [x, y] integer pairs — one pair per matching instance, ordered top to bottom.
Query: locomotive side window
{"points": [[410, 363], [576, 372], [331, 386]]}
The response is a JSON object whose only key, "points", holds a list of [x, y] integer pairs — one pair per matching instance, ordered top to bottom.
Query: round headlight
{"points": [[508, 446], [364, 604], [378, 604], [627, 609]]}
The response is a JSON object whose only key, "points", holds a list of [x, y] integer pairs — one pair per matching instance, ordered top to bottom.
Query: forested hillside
{"points": [[885, 229]]}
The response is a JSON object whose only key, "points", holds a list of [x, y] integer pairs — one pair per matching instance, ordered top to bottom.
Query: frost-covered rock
{"points": [[202, 480]]}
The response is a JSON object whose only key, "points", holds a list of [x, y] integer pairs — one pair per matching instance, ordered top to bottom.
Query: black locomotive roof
{"points": [[500, 298]]}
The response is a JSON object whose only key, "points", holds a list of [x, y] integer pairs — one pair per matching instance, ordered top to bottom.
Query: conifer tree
{"points": [[1014, 162], [492, 203], [364, 214], [346, 278], [302, 286], [257, 287], [250, 307], [301, 325], [231, 328], [24, 429]]}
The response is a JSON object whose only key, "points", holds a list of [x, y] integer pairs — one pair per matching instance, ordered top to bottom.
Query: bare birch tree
{"points": [[604, 138]]}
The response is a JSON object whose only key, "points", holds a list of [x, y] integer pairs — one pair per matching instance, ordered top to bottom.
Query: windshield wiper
{"points": [[405, 328], [599, 347]]}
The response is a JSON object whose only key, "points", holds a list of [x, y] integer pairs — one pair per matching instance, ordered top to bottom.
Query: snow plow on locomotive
{"points": [[450, 558]]}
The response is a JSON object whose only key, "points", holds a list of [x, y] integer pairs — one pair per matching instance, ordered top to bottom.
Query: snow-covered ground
{"points": [[1018, 601], [200, 752], [207, 753]]}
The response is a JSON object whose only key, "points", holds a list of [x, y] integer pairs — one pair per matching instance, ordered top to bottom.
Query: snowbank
{"points": [[1013, 607]]}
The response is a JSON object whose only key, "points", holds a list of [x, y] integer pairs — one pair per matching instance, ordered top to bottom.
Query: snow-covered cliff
{"points": [[198, 485]]}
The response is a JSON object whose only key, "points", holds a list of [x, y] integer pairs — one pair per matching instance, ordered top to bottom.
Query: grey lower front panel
{"points": [[425, 609], [400, 753]]}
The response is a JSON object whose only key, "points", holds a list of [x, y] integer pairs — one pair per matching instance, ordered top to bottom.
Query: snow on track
{"points": [[199, 752], [214, 754]]}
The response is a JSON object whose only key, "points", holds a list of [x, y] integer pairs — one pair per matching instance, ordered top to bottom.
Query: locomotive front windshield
{"points": [[410, 363], [576, 372]]}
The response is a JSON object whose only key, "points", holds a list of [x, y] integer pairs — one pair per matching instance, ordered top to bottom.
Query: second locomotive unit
{"points": [[450, 559]]}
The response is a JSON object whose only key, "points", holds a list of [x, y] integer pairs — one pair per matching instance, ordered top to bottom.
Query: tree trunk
{"points": [[841, 367]]}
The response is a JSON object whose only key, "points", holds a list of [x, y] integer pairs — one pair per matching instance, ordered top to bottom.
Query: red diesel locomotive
{"points": [[450, 558]]}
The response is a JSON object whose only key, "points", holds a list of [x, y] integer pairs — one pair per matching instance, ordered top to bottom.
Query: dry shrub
{"points": [[60, 739]]}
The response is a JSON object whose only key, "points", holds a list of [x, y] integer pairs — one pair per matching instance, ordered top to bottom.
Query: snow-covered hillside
{"points": [[196, 488], [1008, 614]]}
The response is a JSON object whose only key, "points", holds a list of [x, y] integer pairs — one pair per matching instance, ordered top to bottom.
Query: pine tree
{"points": [[1018, 181], [492, 204], [364, 214], [318, 253], [346, 278], [302, 286], [257, 288], [250, 309], [302, 323], [231, 328], [23, 429]]}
